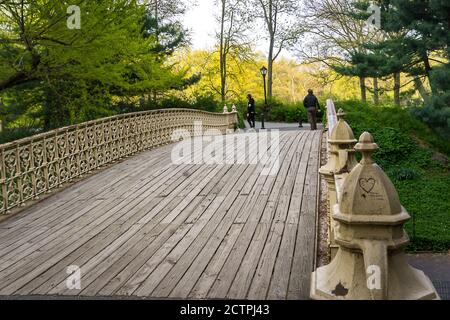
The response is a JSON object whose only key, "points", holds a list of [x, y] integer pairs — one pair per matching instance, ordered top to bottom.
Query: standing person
{"points": [[311, 104], [251, 111]]}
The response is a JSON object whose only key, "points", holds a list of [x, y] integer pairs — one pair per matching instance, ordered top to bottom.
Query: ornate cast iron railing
{"points": [[39, 164]]}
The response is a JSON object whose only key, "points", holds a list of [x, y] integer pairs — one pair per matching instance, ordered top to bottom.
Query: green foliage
{"points": [[418, 44], [73, 75], [69, 102], [205, 103], [436, 109], [282, 112], [365, 117], [18, 133], [403, 173], [421, 181], [428, 202]]}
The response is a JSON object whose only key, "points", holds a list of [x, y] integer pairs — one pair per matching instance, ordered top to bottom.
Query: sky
{"points": [[201, 20]]}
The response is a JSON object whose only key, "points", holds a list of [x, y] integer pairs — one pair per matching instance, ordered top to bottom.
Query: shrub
{"points": [[205, 103], [282, 112], [8, 135], [403, 173]]}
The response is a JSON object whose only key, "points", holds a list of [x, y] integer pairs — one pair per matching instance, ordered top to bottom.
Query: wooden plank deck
{"points": [[148, 228]]}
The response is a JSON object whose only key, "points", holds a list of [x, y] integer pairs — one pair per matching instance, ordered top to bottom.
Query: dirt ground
{"points": [[323, 256]]}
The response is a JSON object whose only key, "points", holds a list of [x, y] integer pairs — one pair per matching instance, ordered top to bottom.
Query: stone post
{"points": [[225, 109], [342, 160], [370, 263]]}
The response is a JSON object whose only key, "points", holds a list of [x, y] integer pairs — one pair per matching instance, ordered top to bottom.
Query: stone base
{"points": [[345, 279]]}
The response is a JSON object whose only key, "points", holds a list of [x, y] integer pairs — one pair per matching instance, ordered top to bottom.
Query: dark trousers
{"points": [[312, 117], [251, 119]]}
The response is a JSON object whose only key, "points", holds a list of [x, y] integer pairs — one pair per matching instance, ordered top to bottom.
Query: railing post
{"points": [[341, 160], [370, 263]]}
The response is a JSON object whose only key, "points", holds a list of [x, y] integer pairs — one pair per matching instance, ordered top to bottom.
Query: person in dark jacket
{"points": [[311, 104], [251, 111]]}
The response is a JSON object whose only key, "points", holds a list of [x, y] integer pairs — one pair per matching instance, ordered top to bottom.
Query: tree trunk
{"points": [[270, 68], [428, 70], [223, 77], [397, 83], [362, 85], [419, 87], [376, 92], [293, 96]]}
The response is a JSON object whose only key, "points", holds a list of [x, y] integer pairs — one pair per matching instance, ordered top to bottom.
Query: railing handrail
{"points": [[331, 116], [98, 121]]}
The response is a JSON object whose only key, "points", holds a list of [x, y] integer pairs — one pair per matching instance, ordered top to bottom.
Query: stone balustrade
{"points": [[34, 166], [366, 235]]}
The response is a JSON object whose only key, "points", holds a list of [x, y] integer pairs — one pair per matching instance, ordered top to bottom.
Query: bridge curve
{"points": [[146, 227]]}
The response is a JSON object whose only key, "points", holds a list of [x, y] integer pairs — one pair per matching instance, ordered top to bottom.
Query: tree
{"points": [[160, 22], [284, 28], [336, 37], [232, 38], [422, 51], [79, 70]]}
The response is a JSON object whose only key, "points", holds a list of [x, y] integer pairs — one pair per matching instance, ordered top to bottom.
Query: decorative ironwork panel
{"points": [[39, 164]]}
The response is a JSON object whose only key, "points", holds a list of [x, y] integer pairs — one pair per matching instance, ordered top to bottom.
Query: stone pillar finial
{"points": [[233, 108], [225, 109], [341, 114], [342, 142], [367, 147], [370, 263]]}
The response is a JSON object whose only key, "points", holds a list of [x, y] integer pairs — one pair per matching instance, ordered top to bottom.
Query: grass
{"points": [[408, 150]]}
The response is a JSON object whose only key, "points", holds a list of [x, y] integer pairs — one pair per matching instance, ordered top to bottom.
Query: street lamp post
{"points": [[263, 113]]}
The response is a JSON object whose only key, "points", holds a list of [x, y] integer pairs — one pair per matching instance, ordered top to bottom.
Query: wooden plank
{"points": [[96, 182], [49, 221], [148, 228], [160, 234], [61, 245], [204, 251], [100, 262], [134, 265], [302, 265], [194, 271], [210, 273], [245, 273], [227, 274], [280, 279]]}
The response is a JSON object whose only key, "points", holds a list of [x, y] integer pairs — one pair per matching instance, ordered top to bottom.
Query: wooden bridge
{"points": [[138, 225]]}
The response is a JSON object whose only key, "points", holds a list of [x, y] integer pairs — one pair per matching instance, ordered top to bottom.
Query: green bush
{"points": [[205, 103], [282, 112], [13, 134], [403, 173]]}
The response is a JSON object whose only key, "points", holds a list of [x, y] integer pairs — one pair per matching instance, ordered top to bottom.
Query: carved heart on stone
{"points": [[367, 184]]}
